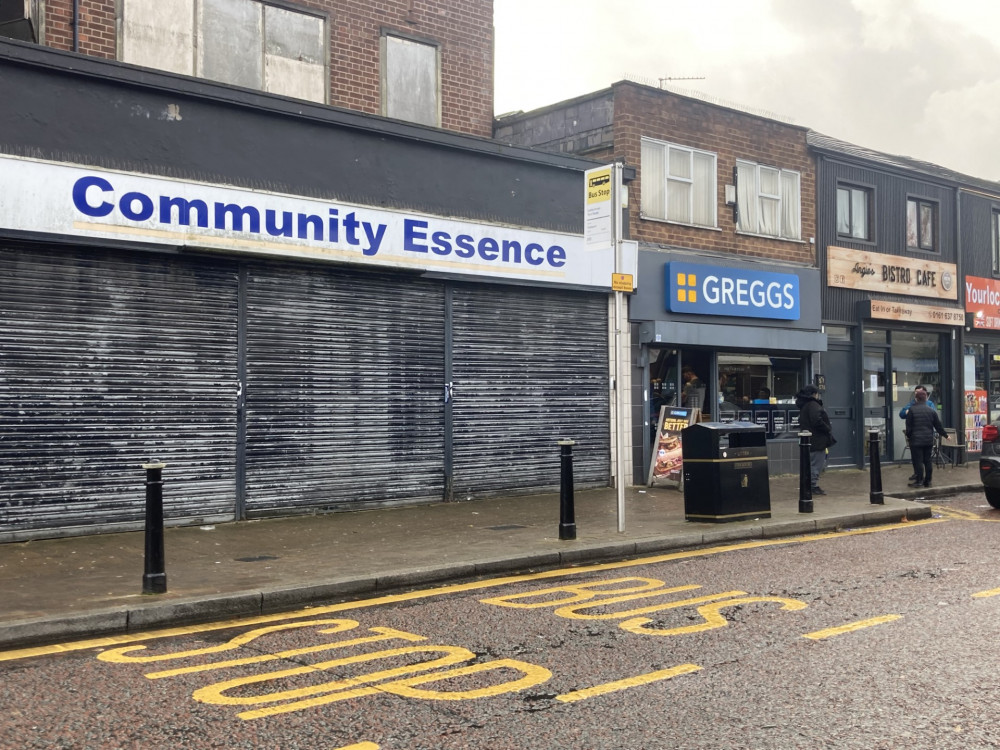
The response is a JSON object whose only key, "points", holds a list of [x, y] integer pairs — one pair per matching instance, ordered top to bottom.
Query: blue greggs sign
{"points": [[715, 290]]}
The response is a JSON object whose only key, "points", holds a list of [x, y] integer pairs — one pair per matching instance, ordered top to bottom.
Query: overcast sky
{"points": [[919, 78]]}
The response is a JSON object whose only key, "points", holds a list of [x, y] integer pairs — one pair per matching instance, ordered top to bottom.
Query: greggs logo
{"points": [[714, 290]]}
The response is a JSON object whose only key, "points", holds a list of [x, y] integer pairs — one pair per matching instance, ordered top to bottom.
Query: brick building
{"points": [[426, 62], [723, 208], [268, 245]]}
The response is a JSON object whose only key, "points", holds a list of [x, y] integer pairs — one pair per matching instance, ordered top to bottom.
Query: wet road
{"points": [[873, 638]]}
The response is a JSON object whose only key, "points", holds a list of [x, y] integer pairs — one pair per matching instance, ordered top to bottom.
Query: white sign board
{"points": [[71, 200], [597, 227]]}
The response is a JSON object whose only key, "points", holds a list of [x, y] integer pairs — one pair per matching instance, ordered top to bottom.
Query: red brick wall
{"points": [[462, 28], [731, 135]]}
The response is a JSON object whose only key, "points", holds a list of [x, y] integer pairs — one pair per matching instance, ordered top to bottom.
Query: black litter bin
{"points": [[725, 472]]}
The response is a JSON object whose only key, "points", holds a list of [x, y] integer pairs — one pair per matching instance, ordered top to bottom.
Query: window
{"points": [[240, 42], [410, 81], [678, 184], [768, 201], [854, 212], [921, 225], [995, 231]]}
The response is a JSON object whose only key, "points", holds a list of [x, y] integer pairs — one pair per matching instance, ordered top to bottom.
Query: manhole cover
{"points": [[506, 527], [257, 558]]}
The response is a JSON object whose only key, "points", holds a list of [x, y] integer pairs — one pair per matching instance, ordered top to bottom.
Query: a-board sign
{"points": [[665, 468]]}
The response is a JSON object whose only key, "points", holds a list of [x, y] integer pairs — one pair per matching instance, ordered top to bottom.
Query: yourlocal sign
{"points": [[53, 198], [714, 290]]}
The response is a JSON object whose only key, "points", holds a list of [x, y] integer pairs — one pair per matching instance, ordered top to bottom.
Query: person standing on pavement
{"points": [[906, 410], [813, 418], [921, 423]]}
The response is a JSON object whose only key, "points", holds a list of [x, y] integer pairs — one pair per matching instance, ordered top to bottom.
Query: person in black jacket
{"points": [[813, 418], [921, 423]]}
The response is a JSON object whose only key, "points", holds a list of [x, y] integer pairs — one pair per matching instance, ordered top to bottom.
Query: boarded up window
{"points": [[240, 42], [410, 81]]}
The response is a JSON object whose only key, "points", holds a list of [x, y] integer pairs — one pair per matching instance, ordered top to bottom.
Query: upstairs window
{"points": [[240, 42], [410, 81], [678, 183], [768, 201], [854, 212], [921, 225]]}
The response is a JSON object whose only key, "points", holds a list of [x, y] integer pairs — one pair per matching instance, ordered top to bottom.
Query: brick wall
{"points": [[463, 29], [731, 135]]}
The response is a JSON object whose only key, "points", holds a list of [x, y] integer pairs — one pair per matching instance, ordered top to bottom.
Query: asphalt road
{"points": [[873, 638]]}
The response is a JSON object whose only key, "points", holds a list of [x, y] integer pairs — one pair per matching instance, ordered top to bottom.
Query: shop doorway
{"points": [[873, 399]]}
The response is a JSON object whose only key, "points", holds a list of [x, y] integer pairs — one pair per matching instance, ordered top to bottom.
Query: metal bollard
{"points": [[875, 469], [805, 473], [567, 520], [154, 577]]}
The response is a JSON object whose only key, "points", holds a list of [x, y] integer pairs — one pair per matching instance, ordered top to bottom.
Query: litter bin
{"points": [[725, 472]]}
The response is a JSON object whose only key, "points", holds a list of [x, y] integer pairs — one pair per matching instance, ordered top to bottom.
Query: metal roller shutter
{"points": [[108, 360], [530, 367], [345, 384]]}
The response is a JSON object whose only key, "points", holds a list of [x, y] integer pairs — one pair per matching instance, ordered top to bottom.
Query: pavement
{"points": [[55, 590]]}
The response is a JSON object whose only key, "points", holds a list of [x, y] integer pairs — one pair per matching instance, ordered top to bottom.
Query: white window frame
{"points": [[656, 201], [751, 201]]}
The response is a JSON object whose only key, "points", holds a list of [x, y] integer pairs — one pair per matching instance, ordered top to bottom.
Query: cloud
{"points": [[914, 77]]}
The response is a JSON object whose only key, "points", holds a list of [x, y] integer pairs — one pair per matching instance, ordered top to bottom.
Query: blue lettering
{"points": [[80, 188], [129, 200], [184, 208], [237, 213], [306, 221], [271, 224], [412, 233], [442, 243], [508, 246], [466, 248], [488, 248], [534, 254], [557, 256]]}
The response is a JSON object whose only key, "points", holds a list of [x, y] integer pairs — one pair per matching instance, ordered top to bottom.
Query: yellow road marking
{"points": [[459, 588], [986, 594], [851, 627], [642, 679], [360, 746]]}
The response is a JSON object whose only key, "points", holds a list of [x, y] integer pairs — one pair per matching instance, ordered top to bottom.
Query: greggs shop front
{"points": [[731, 337]]}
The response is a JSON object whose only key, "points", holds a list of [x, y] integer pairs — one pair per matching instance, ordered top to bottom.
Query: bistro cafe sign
{"points": [[73, 200], [893, 274]]}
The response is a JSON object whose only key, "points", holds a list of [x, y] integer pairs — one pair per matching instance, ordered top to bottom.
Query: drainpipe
{"points": [[76, 25]]}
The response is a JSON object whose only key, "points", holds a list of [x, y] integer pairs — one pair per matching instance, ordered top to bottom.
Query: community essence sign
{"points": [[74, 201], [714, 290]]}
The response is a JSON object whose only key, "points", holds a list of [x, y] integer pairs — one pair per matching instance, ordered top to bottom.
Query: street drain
{"points": [[506, 527], [257, 558]]}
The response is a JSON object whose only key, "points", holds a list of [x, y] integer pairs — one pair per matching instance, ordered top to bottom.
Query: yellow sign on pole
{"points": [[622, 282]]}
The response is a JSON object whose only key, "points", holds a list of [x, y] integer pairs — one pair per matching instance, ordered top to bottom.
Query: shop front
{"points": [[287, 327], [730, 338], [893, 345], [981, 357]]}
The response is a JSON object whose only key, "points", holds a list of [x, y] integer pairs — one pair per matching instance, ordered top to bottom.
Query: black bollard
{"points": [[875, 469], [805, 473], [567, 519], [154, 577]]}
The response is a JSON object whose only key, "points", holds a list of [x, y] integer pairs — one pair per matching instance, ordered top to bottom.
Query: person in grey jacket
{"points": [[814, 419], [921, 423]]}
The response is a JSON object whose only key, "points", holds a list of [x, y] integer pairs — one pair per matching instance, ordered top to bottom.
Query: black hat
{"points": [[810, 390]]}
